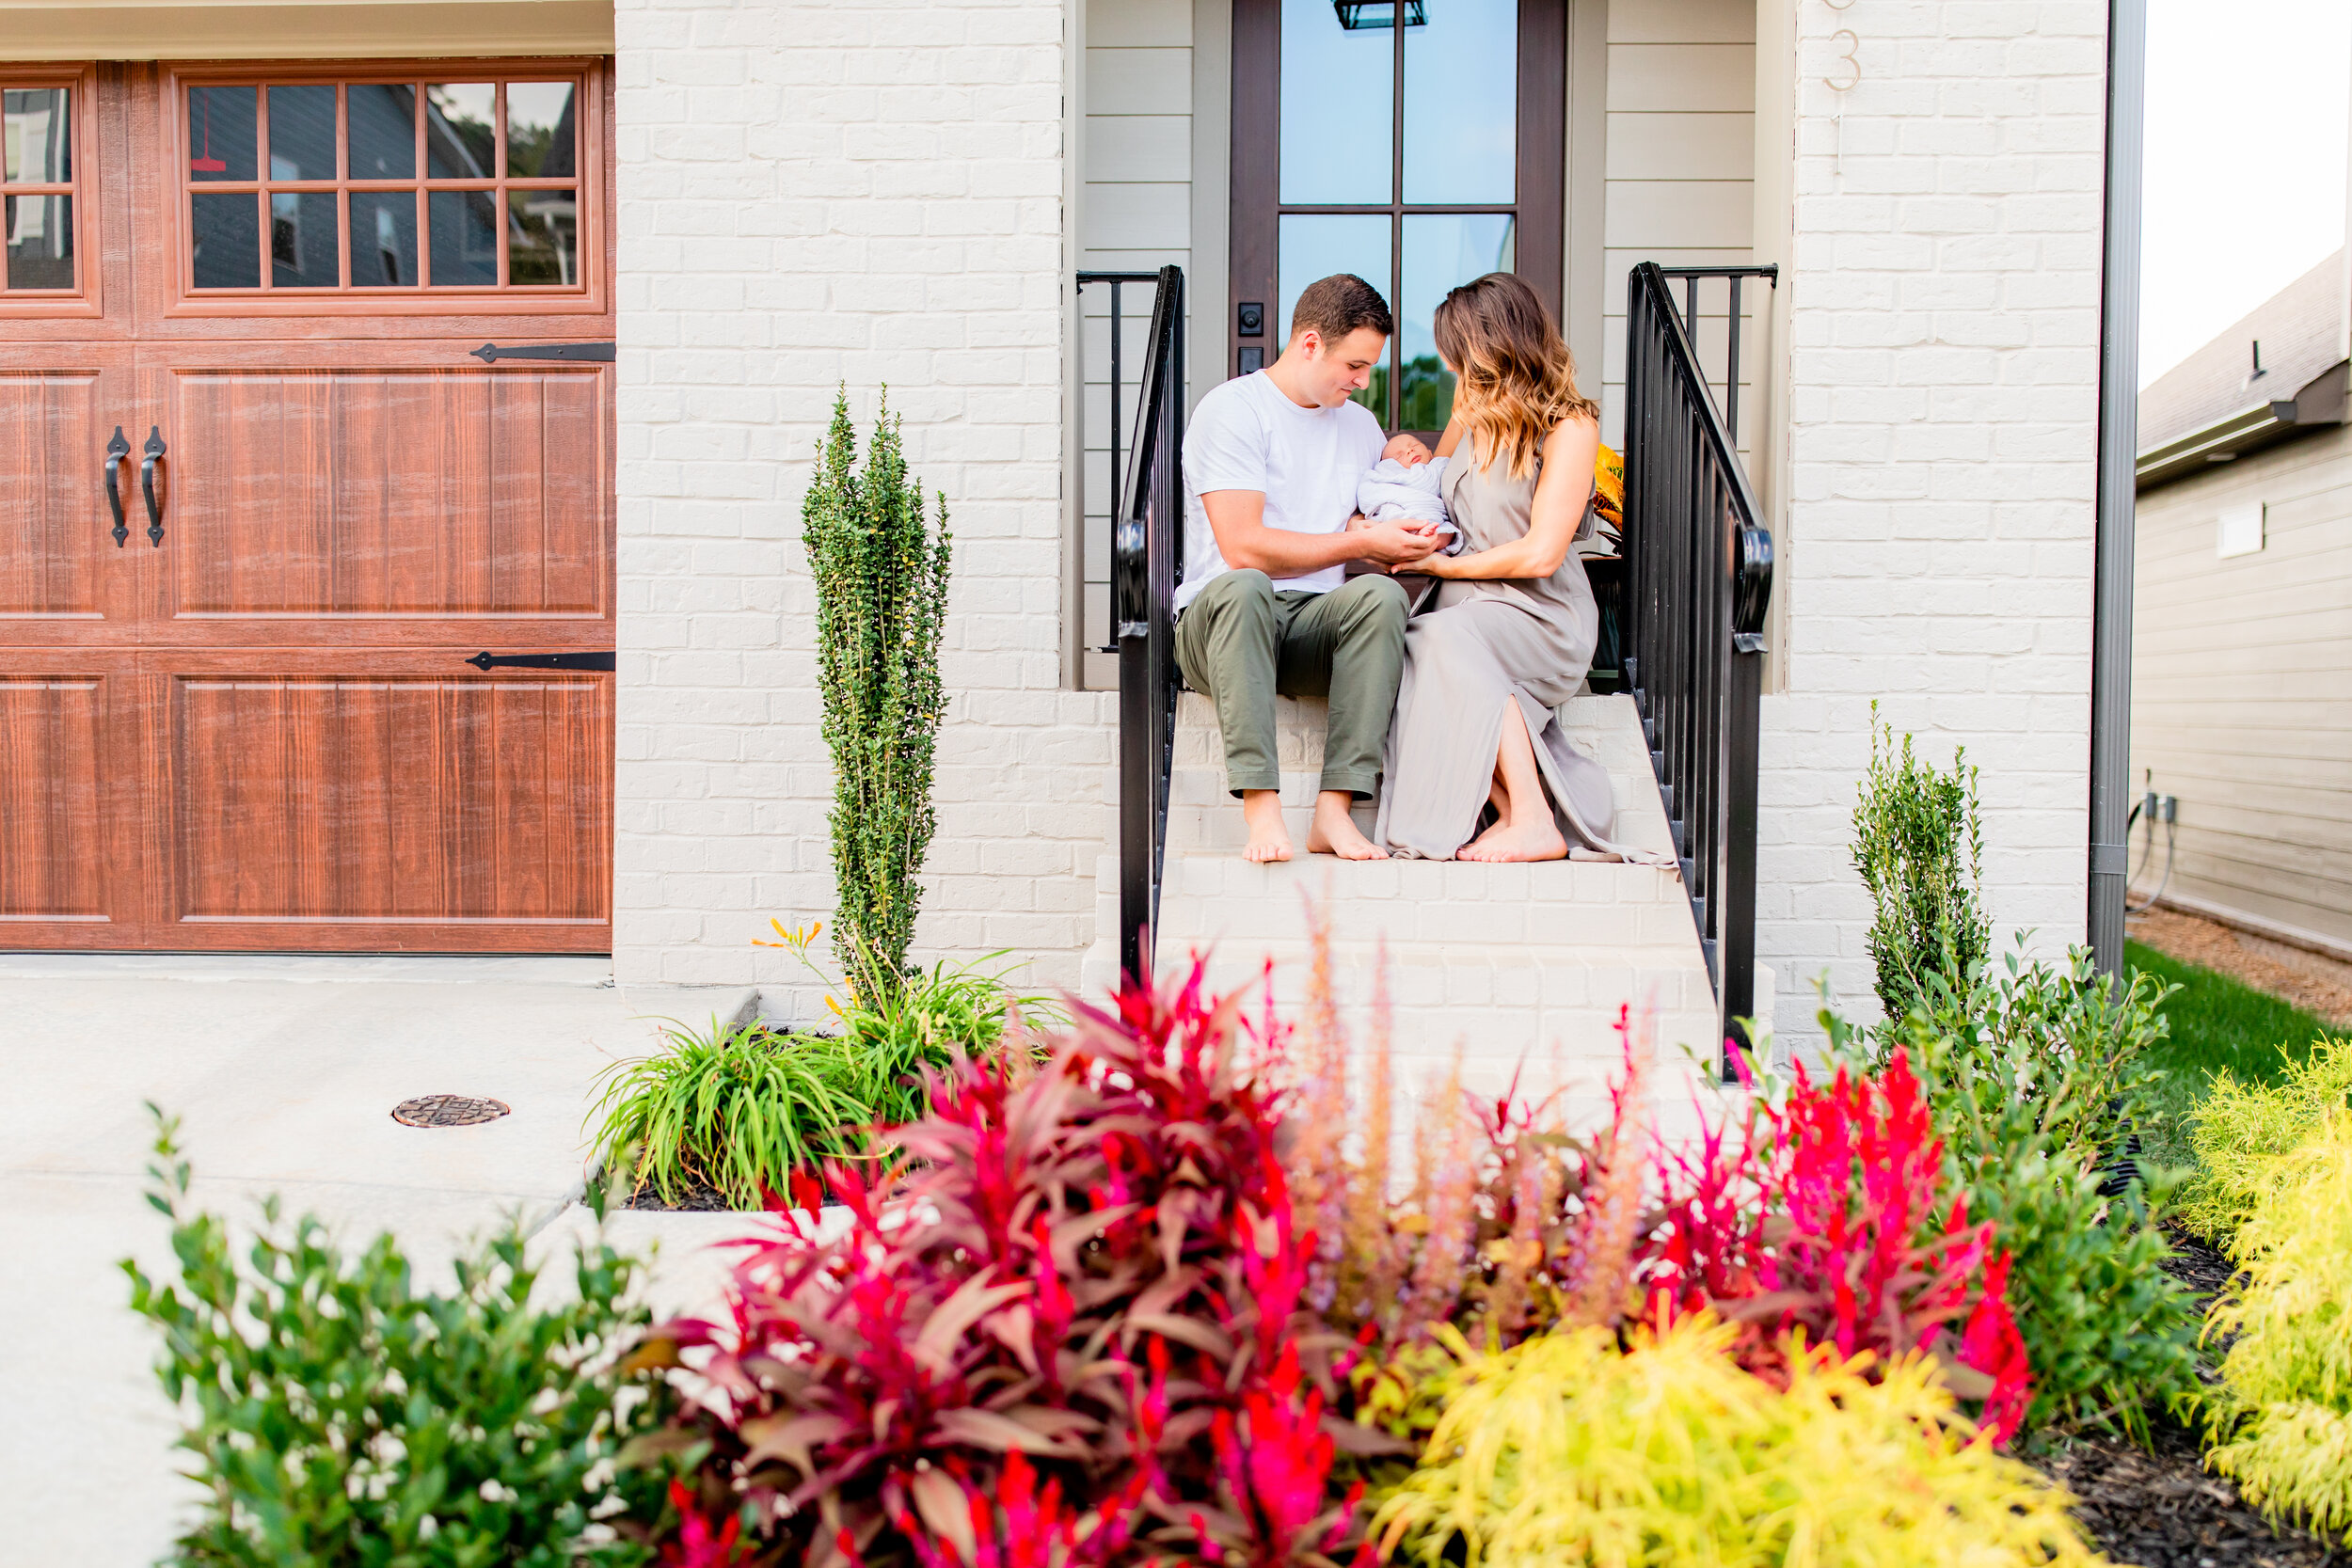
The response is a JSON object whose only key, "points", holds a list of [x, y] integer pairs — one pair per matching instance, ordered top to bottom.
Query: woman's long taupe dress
{"points": [[1523, 639]]}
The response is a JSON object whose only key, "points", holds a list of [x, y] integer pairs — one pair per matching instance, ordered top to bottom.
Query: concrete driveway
{"points": [[284, 1071]]}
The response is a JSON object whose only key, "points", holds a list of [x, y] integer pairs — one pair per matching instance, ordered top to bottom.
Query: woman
{"points": [[1512, 631]]}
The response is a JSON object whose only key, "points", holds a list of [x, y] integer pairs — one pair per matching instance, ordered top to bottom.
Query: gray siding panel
{"points": [[2241, 670]]}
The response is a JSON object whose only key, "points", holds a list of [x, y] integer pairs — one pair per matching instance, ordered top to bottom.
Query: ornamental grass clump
{"points": [[882, 576], [1918, 844], [744, 1108], [1081, 1290], [2280, 1419], [1586, 1447]]}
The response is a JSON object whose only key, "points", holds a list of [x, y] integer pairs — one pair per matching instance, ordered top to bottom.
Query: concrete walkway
{"points": [[284, 1071]]}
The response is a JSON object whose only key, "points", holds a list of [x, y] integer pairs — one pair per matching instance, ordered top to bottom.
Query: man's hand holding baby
{"points": [[1389, 542]]}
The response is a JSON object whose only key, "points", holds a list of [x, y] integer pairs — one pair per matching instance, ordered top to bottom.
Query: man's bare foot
{"points": [[1334, 832], [1269, 837], [1510, 842]]}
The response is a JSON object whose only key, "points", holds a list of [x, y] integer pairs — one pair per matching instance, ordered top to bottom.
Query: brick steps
{"points": [[1526, 967]]}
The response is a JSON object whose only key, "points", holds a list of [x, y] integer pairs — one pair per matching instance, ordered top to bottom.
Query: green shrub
{"points": [[881, 602], [1917, 844], [2035, 1077], [2245, 1131], [339, 1416], [2281, 1418], [1565, 1449]]}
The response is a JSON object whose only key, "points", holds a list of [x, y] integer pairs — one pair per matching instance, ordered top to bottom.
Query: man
{"points": [[1271, 462]]}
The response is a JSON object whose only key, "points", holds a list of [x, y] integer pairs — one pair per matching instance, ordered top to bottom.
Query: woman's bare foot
{"points": [[1334, 832], [1269, 836], [1510, 842]]}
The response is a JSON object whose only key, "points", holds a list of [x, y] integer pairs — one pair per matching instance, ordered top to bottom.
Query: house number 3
{"points": [[1851, 60]]}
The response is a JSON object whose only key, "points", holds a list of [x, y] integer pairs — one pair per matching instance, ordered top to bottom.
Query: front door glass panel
{"points": [[1338, 98], [1460, 142], [1399, 151], [1316, 245], [1442, 250]]}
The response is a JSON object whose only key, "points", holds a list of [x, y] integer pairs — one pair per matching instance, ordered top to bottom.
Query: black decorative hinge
{"points": [[596, 353], [486, 660]]}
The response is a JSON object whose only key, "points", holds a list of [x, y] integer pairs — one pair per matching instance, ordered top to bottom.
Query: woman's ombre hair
{"points": [[1517, 381]]}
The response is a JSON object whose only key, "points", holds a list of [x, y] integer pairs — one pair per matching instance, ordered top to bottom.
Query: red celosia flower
{"points": [[697, 1545]]}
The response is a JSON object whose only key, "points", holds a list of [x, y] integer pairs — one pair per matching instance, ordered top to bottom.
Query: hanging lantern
{"points": [[1357, 16]]}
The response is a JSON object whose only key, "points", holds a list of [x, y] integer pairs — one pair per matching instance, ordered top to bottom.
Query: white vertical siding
{"points": [[1680, 170], [1135, 215], [2239, 672]]}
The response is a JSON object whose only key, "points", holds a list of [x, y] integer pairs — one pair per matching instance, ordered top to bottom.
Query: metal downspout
{"points": [[2119, 441]]}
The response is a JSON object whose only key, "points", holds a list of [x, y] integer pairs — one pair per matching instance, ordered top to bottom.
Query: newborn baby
{"points": [[1406, 485]]}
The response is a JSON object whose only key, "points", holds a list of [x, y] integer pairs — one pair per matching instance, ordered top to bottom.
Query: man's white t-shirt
{"points": [[1248, 435]]}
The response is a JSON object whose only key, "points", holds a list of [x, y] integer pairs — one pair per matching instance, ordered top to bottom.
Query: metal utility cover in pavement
{"points": [[448, 1110]]}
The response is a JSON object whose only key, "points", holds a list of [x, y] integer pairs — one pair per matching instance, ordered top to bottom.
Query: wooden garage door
{"points": [[245, 717]]}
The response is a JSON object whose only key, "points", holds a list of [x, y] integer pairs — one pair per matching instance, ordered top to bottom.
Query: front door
{"points": [[1415, 143], [243, 716]]}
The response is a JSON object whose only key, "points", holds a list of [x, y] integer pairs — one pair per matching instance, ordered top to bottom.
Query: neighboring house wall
{"points": [[1680, 165], [813, 194], [1943, 408], [2240, 668]]}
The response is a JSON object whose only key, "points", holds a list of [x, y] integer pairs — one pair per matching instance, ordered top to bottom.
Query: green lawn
{"points": [[2216, 1023]]}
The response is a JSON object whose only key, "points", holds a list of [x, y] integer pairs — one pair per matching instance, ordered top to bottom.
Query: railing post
{"points": [[1146, 541], [1700, 564], [1741, 758]]}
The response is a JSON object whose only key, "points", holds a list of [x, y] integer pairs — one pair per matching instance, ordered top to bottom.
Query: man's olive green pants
{"points": [[1241, 642]]}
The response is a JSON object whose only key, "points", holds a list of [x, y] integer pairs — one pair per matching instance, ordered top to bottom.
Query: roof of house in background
{"points": [[2301, 331]]}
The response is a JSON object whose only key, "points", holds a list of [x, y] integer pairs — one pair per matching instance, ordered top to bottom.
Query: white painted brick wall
{"points": [[812, 193], [1942, 424]]}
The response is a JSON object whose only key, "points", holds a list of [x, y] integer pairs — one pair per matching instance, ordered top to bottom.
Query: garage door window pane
{"points": [[222, 124], [302, 131], [37, 144], [302, 234], [382, 239], [465, 239], [228, 240]]}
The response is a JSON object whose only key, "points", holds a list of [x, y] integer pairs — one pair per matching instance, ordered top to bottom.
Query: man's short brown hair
{"points": [[1336, 306]]}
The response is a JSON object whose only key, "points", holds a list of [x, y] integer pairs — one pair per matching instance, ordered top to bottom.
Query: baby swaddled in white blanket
{"points": [[1406, 485]]}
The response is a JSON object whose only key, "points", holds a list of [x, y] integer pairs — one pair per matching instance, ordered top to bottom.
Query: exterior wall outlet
{"points": [[2240, 531]]}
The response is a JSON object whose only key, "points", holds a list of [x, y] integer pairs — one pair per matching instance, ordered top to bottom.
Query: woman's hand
{"points": [[1563, 490]]}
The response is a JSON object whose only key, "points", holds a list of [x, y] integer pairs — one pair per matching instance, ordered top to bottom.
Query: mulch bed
{"points": [[695, 1196], [2161, 1509]]}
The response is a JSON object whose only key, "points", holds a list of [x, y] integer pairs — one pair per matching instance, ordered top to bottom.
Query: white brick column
{"points": [[814, 193], [1942, 428]]}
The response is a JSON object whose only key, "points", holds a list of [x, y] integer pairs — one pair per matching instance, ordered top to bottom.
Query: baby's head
{"points": [[1406, 448]]}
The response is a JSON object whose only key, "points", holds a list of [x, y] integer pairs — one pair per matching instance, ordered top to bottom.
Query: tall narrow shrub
{"points": [[882, 600], [1918, 845]]}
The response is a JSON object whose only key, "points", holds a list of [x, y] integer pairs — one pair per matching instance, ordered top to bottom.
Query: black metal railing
{"points": [[1146, 562], [1700, 572]]}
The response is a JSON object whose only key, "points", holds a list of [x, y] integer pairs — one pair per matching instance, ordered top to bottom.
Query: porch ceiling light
{"points": [[1362, 15]]}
